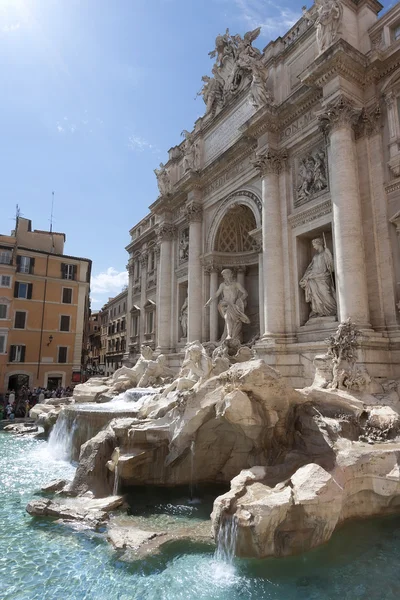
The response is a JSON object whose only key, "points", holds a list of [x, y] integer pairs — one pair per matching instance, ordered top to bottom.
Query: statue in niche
{"points": [[327, 23], [312, 176], [163, 179], [184, 246], [317, 282], [232, 305], [183, 317]]}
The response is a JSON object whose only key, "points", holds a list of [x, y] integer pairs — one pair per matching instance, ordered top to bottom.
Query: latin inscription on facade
{"points": [[297, 125], [226, 134], [227, 176]]}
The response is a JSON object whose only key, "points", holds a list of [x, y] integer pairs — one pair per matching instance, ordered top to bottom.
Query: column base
{"points": [[275, 339]]}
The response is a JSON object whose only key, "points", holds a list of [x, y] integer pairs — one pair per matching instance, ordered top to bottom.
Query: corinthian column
{"points": [[270, 165], [351, 281], [164, 288], [195, 296]]}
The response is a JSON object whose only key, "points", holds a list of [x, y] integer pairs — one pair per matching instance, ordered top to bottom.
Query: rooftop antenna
{"points": [[51, 215]]}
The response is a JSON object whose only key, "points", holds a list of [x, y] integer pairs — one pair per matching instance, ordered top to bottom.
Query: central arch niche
{"points": [[233, 234], [234, 246]]}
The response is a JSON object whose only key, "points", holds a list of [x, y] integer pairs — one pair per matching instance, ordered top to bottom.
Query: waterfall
{"points": [[61, 437], [192, 450], [116, 481], [227, 537]]}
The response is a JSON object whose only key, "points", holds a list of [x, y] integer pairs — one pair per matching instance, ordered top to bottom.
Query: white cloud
{"points": [[274, 19], [10, 28], [60, 129], [139, 144], [109, 282]]}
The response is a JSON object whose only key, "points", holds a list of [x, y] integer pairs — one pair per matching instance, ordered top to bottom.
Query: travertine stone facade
{"points": [[297, 155]]}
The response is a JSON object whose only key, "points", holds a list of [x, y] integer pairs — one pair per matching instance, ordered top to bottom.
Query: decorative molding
{"points": [[340, 113], [272, 162], [393, 187], [309, 215], [217, 262]]}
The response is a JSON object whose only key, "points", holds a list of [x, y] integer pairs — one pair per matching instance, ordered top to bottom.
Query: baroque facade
{"points": [[291, 180]]}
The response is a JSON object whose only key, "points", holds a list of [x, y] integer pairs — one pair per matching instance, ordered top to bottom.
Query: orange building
{"points": [[44, 308]]}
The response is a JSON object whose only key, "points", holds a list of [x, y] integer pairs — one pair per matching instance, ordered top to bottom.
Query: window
{"points": [[396, 33], [5, 257], [152, 261], [25, 264], [68, 271], [5, 281], [23, 290], [67, 296], [124, 308], [119, 309], [3, 311], [20, 319], [65, 322], [150, 322], [118, 325], [123, 325], [3, 343], [117, 346], [17, 353], [62, 354]]}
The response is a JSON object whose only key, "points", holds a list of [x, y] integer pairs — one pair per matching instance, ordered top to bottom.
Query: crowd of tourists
{"points": [[18, 404]]}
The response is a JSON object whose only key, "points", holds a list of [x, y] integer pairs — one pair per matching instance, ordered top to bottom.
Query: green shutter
{"points": [[31, 266], [30, 288], [23, 353]]}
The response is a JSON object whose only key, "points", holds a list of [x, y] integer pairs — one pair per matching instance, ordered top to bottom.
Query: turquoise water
{"points": [[40, 560]]}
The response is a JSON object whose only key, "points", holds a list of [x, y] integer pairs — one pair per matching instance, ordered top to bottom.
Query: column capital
{"points": [[339, 113], [369, 122], [270, 162], [194, 212], [165, 232], [143, 258]]}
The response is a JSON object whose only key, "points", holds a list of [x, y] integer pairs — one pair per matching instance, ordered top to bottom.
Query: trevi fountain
{"points": [[249, 446]]}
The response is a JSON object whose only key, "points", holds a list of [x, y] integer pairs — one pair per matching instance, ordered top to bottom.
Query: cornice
{"points": [[339, 59], [393, 186], [310, 214]]}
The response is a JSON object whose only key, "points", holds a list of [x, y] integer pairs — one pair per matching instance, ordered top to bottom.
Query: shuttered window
{"points": [[25, 264], [68, 271], [23, 290], [67, 296], [20, 319], [65, 322], [17, 353], [62, 354]]}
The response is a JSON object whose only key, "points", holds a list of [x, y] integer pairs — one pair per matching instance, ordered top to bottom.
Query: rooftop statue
{"points": [[237, 61], [163, 179]]}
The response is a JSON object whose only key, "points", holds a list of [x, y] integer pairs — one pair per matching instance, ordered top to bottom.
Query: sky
{"points": [[93, 94]]}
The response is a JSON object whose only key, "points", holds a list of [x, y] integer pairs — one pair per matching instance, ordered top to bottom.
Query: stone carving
{"points": [[237, 63], [192, 155], [312, 176], [163, 179], [184, 246], [317, 282], [232, 305], [183, 317], [342, 349], [196, 368], [147, 372]]}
